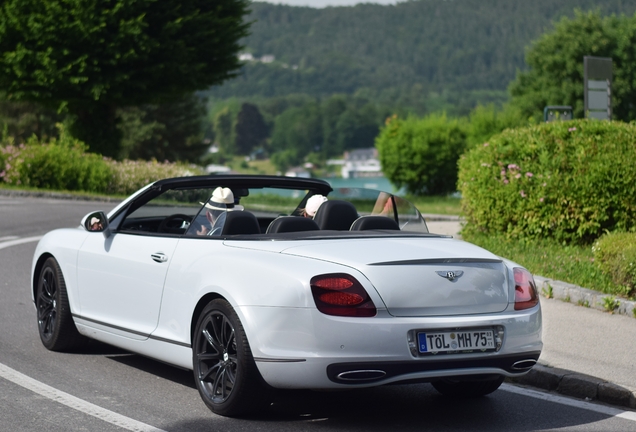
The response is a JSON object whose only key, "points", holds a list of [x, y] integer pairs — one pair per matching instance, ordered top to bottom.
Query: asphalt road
{"points": [[103, 388]]}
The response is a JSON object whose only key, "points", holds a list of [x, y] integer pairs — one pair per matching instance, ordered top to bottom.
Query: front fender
{"points": [[63, 245]]}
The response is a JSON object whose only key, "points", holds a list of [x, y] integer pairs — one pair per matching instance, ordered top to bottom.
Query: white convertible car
{"points": [[228, 276]]}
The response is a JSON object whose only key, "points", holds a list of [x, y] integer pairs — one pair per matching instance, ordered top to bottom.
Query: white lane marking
{"points": [[8, 238], [18, 241], [73, 402], [613, 412]]}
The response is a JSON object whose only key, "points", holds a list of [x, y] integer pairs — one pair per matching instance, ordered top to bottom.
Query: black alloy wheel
{"points": [[55, 323], [224, 370]]}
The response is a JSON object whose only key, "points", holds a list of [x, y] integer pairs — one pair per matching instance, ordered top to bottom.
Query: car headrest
{"points": [[336, 215], [240, 222], [372, 222], [292, 224]]}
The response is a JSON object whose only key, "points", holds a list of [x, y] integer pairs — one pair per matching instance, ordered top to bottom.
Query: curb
{"points": [[56, 195], [584, 297], [571, 383], [577, 385]]}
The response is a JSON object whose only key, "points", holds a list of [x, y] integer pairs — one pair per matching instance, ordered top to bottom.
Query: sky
{"points": [[325, 3]]}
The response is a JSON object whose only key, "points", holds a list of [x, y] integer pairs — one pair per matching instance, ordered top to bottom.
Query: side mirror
{"points": [[96, 222]]}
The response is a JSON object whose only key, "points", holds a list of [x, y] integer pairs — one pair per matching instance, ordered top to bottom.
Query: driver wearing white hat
{"points": [[221, 201]]}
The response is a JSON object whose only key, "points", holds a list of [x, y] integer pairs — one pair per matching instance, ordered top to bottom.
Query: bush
{"points": [[486, 121], [422, 154], [60, 165], [64, 165], [129, 176], [570, 181], [615, 255]]}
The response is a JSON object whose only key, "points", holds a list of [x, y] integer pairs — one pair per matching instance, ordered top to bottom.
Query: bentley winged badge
{"points": [[450, 275]]}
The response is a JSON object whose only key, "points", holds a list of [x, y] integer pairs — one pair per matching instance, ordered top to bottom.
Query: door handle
{"points": [[159, 257]]}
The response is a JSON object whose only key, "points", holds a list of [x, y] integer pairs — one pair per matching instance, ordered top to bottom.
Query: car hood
{"points": [[429, 276]]}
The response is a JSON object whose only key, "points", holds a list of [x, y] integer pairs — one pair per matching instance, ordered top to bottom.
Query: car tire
{"points": [[55, 322], [224, 370], [468, 389]]}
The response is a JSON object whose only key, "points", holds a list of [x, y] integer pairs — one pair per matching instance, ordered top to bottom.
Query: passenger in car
{"points": [[221, 201], [313, 203], [383, 205]]}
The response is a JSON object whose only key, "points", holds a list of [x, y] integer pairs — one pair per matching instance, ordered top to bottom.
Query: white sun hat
{"points": [[222, 199], [313, 203]]}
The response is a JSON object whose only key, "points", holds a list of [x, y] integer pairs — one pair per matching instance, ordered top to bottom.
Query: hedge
{"points": [[571, 181]]}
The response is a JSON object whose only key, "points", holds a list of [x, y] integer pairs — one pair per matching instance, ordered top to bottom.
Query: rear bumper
{"points": [[302, 348], [377, 372]]}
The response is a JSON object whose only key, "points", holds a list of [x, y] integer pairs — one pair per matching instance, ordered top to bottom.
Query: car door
{"points": [[121, 277], [121, 280]]}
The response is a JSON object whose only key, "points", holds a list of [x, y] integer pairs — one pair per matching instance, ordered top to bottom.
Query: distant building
{"points": [[267, 58], [361, 163], [217, 169], [298, 172]]}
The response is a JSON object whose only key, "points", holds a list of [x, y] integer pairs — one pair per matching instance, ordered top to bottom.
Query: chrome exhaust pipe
{"points": [[523, 364], [361, 375]]}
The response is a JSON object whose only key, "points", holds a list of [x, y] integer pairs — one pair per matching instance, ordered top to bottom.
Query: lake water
{"points": [[377, 183]]}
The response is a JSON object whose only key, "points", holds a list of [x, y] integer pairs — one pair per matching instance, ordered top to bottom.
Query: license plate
{"points": [[456, 341]]}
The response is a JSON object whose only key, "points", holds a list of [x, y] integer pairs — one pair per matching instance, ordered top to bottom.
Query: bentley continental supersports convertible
{"points": [[259, 283]]}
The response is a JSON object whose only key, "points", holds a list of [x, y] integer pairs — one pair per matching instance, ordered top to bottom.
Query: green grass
{"points": [[436, 204], [573, 264]]}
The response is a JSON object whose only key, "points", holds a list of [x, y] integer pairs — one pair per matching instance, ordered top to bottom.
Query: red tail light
{"points": [[525, 289], [340, 294]]}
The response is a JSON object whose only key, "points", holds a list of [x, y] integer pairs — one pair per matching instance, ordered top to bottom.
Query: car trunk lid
{"points": [[421, 276]]}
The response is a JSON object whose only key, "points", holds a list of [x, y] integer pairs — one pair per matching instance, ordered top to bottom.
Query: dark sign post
{"points": [[598, 87], [557, 113]]}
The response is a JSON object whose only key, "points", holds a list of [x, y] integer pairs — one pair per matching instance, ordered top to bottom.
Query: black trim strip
{"points": [[440, 261], [146, 335], [268, 360], [401, 368]]}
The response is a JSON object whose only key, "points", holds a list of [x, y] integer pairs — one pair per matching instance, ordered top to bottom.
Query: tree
{"points": [[91, 57], [556, 77], [332, 109], [22, 120], [224, 130], [251, 130], [171, 131], [297, 132], [422, 154]]}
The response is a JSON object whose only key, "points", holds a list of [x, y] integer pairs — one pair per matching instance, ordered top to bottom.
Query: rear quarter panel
{"points": [[244, 277]]}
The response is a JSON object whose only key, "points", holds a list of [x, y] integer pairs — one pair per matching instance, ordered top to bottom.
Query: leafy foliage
{"points": [[427, 55], [92, 57], [556, 71], [21, 120], [486, 121], [251, 130], [170, 131], [297, 132], [422, 154], [64, 164], [60, 165], [129, 176], [561, 180], [615, 255]]}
